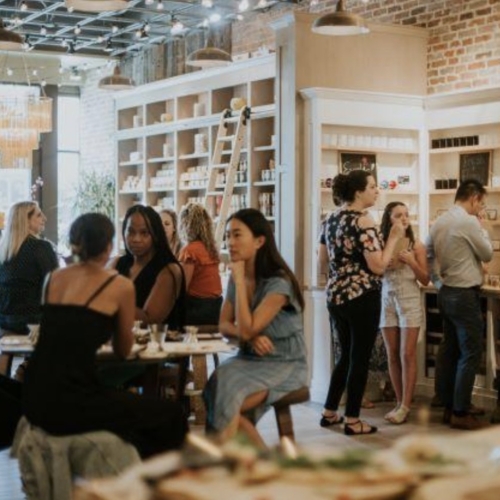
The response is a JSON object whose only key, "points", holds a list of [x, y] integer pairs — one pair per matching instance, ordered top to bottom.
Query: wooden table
{"points": [[153, 359]]}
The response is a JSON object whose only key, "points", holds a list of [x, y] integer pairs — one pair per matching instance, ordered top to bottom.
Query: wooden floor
{"points": [[308, 433]]}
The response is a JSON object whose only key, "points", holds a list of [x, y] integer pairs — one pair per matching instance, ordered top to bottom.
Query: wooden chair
{"points": [[283, 413]]}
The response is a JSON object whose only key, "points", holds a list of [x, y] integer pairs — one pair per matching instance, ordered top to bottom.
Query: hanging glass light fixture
{"points": [[10, 40], [210, 56], [116, 81], [25, 113]]}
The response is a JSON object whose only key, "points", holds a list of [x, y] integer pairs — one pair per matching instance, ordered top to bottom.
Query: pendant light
{"points": [[96, 5], [340, 23], [10, 40], [209, 56], [116, 81]]}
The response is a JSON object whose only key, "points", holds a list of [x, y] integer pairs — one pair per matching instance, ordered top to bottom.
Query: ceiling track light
{"points": [[97, 5], [159, 5], [23, 6], [340, 23], [177, 27], [77, 29], [43, 30], [10, 40], [109, 46]]}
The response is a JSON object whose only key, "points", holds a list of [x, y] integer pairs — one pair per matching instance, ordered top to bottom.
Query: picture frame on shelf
{"points": [[358, 161], [476, 166]]}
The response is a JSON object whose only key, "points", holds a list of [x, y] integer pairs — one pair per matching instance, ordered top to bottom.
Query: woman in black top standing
{"points": [[25, 259], [356, 261]]}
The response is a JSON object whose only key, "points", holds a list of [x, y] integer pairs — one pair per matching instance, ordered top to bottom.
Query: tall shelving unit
{"points": [[341, 121], [166, 133], [402, 138]]}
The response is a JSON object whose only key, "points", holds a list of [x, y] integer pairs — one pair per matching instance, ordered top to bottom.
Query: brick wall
{"points": [[464, 41], [97, 125]]}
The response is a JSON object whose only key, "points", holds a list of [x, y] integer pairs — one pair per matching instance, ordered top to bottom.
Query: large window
{"points": [[68, 163]]}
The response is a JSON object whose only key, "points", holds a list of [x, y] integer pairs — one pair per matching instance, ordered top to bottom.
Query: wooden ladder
{"points": [[232, 128]]}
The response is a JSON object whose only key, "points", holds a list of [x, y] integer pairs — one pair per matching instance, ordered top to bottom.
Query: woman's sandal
{"points": [[389, 415], [400, 416], [331, 420], [364, 428]]}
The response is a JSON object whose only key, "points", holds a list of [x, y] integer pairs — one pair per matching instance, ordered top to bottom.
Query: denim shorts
{"points": [[402, 312]]}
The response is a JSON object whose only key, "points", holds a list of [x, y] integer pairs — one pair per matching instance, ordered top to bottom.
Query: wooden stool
{"points": [[283, 413]]}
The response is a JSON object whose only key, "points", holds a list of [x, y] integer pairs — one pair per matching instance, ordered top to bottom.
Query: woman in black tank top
{"points": [[157, 275], [85, 307]]}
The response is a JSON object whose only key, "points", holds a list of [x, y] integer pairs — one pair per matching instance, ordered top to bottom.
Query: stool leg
{"points": [[5, 364], [200, 380], [285, 422]]}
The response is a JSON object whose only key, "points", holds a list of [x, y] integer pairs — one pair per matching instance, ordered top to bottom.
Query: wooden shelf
{"points": [[361, 149], [463, 149], [194, 156], [161, 160], [134, 163], [264, 183], [161, 190], [137, 191], [395, 192]]}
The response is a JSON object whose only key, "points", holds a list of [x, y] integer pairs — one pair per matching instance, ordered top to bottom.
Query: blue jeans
{"points": [[460, 351]]}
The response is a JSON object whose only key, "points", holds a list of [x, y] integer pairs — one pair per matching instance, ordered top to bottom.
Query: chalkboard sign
{"points": [[358, 161], [476, 166]]}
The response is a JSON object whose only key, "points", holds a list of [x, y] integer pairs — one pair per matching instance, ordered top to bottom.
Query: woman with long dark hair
{"points": [[356, 261], [150, 263], [85, 306], [263, 309], [401, 309]]}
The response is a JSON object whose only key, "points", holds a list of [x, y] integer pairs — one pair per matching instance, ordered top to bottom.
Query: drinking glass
{"points": [[191, 337]]}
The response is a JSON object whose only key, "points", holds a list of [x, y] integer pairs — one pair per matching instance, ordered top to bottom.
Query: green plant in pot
{"points": [[95, 193]]}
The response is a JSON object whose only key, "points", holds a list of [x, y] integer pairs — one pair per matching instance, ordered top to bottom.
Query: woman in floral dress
{"points": [[356, 262]]}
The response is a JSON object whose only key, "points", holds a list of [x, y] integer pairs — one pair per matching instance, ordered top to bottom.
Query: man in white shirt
{"points": [[458, 244]]}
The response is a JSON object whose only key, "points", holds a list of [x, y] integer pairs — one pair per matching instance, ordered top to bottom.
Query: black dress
{"points": [[63, 395]]}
